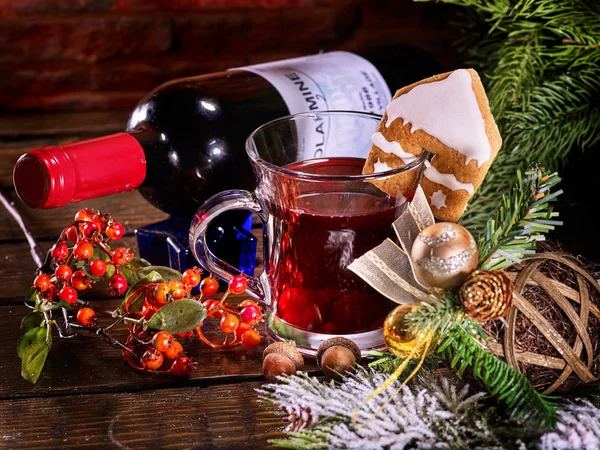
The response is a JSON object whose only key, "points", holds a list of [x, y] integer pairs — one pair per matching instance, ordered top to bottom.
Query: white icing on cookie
{"points": [[447, 110], [394, 147], [381, 167], [431, 173], [446, 179], [438, 199]]}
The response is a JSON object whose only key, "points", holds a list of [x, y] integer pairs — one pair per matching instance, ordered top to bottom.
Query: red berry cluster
{"points": [[77, 244], [82, 256], [237, 321], [161, 352]]}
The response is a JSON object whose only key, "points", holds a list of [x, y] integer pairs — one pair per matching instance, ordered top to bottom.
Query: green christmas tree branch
{"points": [[540, 63], [522, 219], [462, 343], [508, 385], [432, 412]]}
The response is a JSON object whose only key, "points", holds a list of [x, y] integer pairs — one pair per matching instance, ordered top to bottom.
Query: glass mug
{"points": [[319, 213]]}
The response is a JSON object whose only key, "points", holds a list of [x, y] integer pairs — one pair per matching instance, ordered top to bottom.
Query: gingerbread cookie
{"points": [[448, 115]]}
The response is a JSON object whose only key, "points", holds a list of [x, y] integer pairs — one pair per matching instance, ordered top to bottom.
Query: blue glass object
{"points": [[229, 237]]}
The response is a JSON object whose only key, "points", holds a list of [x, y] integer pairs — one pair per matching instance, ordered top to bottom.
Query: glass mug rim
{"points": [[255, 157]]}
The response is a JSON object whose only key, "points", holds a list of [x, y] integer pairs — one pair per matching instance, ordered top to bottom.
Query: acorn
{"points": [[337, 355], [281, 358]]}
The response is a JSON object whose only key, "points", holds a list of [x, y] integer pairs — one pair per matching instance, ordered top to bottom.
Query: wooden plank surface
{"points": [[31, 124], [129, 208], [225, 416]]}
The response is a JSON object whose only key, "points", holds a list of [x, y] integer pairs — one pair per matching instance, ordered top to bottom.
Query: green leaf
{"points": [[131, 270], [167, 273], [31, 296], [137, 302], [63, 304], [47, 305], [178, 317], [31, 320], [28, 338], [35, 355]]}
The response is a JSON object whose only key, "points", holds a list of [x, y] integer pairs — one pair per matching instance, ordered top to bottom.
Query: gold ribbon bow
{"points": [[388, 268]]}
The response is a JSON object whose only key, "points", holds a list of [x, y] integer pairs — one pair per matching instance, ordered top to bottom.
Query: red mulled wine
{"points": [[314, 237]]}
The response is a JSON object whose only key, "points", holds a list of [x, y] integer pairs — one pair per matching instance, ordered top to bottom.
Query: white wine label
{"points": [[328, 81]]}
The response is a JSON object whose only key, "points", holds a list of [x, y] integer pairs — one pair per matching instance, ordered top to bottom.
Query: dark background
{"points": [[105, 54], [72, 69]]}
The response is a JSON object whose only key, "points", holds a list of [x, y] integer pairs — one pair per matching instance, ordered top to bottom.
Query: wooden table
{"points": [[87, 396]]}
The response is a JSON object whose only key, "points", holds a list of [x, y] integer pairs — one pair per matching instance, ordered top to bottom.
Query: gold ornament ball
{"points": [[443, 255], [397, 337]]}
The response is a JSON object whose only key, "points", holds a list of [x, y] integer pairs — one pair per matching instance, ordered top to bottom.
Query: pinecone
{"points": [[487, 294], [297, 420]]}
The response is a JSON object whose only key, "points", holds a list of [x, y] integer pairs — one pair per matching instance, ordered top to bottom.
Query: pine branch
{"points": [[497, 9], [568, 20], [570, 57], [540, 62], [517, 69], [561, 113], [522, 219], [439, 315], [461, 343], [462, 347], [384, 362], [387, 362], [432, 413], [579, 423]]}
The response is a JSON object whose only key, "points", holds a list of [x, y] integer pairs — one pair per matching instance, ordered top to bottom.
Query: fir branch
{"points": [[578, 22], [570, 57], [540, 62], [517, 69], [567, 113], [522, 219], [439, 315], [461, 342], [462, 347], [387, 362], [432, 413], [578, 427]]}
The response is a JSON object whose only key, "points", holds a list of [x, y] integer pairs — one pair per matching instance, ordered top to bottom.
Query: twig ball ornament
{"points": [[443, 255], [552, 332], [400, 341]]}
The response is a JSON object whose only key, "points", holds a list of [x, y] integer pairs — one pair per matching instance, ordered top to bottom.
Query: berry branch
{"points": [[158, 308]]}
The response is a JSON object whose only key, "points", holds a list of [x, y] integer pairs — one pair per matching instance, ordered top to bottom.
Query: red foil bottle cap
{"points": [[49, 177]]}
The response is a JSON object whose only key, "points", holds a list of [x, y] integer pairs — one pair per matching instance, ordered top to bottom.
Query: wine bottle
{"points": [[184, 141]]}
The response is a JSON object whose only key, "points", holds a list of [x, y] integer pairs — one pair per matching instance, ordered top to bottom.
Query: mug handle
{"points": [[215, 205]]}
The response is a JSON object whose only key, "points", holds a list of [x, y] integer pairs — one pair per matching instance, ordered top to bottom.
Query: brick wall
{"points": [[84, 54]]}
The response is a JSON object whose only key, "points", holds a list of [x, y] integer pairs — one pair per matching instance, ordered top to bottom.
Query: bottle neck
{"points": [[54, 176]]}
